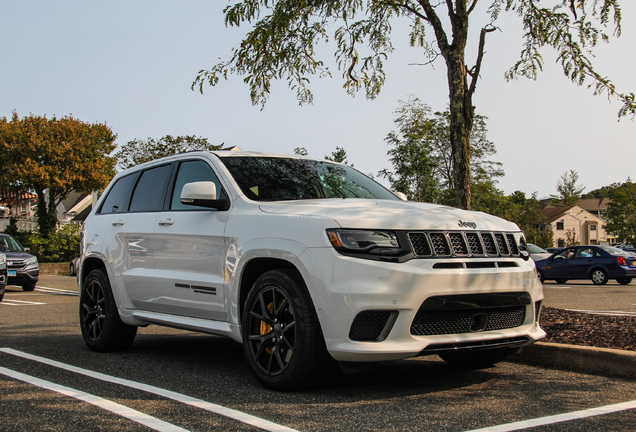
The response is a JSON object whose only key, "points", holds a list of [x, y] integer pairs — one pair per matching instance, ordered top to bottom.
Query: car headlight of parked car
{"points": [[30, 261]]}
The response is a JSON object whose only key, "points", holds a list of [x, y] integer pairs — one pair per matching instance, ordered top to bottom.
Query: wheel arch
{"points": [[88, 265], [254, 269]]}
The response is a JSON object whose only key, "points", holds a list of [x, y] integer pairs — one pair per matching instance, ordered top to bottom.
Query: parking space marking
{"points": [[56, 291], [14, 302], [608, 313], [178, 397], [124, 411], [559, 418]]}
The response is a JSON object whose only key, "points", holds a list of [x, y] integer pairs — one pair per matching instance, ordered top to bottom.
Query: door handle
{"points": [[118, 222], [165, 222]]}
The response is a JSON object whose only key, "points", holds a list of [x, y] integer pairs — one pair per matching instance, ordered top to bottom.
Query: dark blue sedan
{"points": [[598, 263]]}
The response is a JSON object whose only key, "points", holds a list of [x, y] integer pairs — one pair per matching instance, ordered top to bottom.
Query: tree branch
{"points": [[474, 72]]}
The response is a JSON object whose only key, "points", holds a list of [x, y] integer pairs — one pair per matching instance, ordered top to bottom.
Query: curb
{"points": [[580, 358]]}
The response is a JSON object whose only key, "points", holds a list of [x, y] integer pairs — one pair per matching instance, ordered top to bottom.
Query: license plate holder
{"points": [[11, 273]]}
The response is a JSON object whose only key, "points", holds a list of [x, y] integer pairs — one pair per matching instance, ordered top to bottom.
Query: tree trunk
{"points": [[461, 125]]}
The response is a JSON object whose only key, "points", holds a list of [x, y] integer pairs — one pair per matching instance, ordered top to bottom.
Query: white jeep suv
{"points": [[302, 261]]}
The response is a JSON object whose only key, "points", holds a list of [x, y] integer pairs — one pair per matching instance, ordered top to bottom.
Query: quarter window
{"points": [[148, 194], [115, 202]]}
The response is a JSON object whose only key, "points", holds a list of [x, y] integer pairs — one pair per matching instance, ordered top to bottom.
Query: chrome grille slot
{"points": [[420, 244], [440, 244], [458, 244], [474, 244], [489, 244], [502, 244], [514, 250]]}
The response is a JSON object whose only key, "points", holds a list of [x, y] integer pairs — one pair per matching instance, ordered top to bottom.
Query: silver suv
{"points": [[303, 261]]}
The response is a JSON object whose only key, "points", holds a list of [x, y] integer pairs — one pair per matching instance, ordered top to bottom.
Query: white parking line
{"points": [[56, 291], [14, 302], [608, 313], [199, 403], [124, 411], [559, 418]]}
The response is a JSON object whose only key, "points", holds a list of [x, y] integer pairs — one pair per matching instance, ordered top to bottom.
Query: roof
{"points": [[594, 204], [553, 213]]}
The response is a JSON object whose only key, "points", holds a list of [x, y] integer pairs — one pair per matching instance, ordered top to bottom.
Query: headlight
{"points": [[363, 241], [3, 258], [32, 260]]}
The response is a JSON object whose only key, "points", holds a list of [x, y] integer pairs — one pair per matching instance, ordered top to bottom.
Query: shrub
{"points": [[60, 246]]}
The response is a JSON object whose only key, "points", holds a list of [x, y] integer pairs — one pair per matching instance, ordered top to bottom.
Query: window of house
{"points": [[560, 226], [592, 227]]}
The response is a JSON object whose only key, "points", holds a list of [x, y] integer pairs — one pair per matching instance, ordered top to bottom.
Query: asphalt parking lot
{"points": [[173, 380]]}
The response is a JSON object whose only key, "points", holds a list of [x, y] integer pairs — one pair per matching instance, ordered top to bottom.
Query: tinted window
{"points": [[193, 171], [274, 179], [148, 194], [115, 202], [9, 244]]}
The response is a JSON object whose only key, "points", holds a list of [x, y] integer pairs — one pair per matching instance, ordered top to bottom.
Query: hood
{"points": [[389, 214], [17, 255]]}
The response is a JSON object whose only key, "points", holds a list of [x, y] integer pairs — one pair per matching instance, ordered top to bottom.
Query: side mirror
{"points": [[202, 194], [401, 195], [27, 249]]}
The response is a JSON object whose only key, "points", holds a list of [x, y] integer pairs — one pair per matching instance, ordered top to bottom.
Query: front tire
{"points": [[599, 277], [561, 281], [624, 281], [28, 287], [102, 328], [282, 339], [475, 359]]}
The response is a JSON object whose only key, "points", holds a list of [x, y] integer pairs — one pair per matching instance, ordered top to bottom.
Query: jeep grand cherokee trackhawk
{"points": [[302, 261]]}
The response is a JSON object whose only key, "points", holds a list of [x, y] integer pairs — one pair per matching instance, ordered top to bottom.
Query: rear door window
{"points": [[149, 192]]}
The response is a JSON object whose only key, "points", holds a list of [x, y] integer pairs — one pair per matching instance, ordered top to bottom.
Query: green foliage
{"points": [[281, 45], [301, 151], [136, 152], [339, 155], [53, 157], [422, 159], [605, 191], [569, 192], [621, 213], [570, 238], [60, 246]]}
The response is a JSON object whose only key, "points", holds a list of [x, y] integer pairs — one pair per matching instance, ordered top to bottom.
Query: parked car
{"points": [[554, 250], [537, 253], [303, 261], [598, 263], [22, 267], [72, 267], [3, 274]]}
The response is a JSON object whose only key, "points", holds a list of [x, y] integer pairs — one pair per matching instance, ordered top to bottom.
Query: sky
{"points": [[130, 64]]}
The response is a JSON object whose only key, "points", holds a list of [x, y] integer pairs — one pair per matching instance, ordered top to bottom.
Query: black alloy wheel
{"points": [[102, 328], [282, 339]]}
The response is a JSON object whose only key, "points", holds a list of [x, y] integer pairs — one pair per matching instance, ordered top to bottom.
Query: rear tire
{"points": [[541, 276], [599, 277], [102, 328], [282, 338], [475, 359]]}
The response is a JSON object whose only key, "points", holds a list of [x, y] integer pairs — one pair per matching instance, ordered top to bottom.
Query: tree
{"points": [[282, 45], [136, 152], [339, 155], [52, 157], [422, 158], [605, 191], [569, 193], [621, 213], [528, 214]]}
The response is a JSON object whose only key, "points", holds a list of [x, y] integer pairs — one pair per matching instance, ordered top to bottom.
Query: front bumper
{"points": [[25, 276], [398, 291]]}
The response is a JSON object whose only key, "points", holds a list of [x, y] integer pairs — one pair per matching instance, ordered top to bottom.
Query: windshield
{"points": [[275, 179], [9, 244], [536, 249], [614, 251]]}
